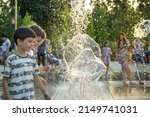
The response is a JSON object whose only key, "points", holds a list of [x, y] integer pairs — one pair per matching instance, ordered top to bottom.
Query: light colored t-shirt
{"points": [[4, 45], [20, 71]]}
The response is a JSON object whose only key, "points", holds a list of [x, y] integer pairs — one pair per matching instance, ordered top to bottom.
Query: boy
{"points": [[40, 37], [21, 70]]}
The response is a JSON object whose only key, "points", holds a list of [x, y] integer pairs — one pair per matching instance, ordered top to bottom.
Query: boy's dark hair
{"points": [[38, 31], [22, 33], [4, 35]]}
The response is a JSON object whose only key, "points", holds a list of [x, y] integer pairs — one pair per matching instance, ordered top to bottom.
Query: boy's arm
{"points": [[43, 81], [38, 83], [6, 88]]}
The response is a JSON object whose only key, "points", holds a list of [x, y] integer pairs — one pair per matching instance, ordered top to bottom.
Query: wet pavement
{"points": [[108, 88]]}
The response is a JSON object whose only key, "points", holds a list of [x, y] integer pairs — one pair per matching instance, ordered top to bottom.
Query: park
{"points": [[79, 28]]}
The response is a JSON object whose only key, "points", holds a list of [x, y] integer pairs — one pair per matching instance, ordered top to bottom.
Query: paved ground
{"points": [[110, 88]]}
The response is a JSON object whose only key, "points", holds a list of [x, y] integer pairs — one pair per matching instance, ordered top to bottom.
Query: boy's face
{"points": [[37, 42], [27, 44]]}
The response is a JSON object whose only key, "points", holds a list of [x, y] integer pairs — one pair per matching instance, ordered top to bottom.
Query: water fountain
{"points": [[142, 29], [82, 56], [83, 66]]}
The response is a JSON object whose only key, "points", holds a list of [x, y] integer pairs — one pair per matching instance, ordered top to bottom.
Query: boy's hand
{"points": [[46, 97]]}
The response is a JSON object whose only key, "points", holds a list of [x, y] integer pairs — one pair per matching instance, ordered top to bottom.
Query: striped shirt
{"points": [[20, 71]]}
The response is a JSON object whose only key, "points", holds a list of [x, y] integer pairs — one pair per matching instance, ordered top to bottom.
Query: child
{"points": [[40, 37], [5, 48], [138, 51], [106, 52], [50, 58], [126, 67], [21, 70]]}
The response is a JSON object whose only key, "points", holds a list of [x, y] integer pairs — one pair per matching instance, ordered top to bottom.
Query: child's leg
{"points": [[107, 66], [128, 72], [124, 74]]}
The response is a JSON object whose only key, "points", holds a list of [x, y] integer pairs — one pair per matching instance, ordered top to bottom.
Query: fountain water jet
{"points": [[82, 56]]}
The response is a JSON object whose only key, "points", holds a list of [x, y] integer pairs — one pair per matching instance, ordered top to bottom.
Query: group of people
{"points": [[125, 53], [21, 70]]}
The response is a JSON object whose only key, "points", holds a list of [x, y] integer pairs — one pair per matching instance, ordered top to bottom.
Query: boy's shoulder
{"points": [[14, 57]]}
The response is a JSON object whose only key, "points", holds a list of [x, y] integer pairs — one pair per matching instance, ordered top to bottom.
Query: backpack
{"points": [[41, 49]]}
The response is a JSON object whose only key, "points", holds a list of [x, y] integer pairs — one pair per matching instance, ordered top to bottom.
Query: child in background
{"points": [[40, 37], [5, 47], [138, 51], [106, 52], [51, 58], [21, 69], [127, 74]]}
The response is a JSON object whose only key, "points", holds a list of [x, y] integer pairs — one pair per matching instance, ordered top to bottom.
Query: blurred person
{"points": [[5, 48], [106, 52]]}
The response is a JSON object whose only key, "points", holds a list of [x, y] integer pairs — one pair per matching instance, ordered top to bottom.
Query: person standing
{"points": [[5, 48], [138, 51], [106, 52], [122, 52]]}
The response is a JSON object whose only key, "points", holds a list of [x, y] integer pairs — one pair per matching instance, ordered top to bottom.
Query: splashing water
{"points": [[79, 11], [142, 29], [82, 56]]}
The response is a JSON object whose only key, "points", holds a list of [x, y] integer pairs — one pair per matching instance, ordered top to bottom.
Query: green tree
{"points": [[51, 15], [26, 20], [6, 25], [97, 27]]}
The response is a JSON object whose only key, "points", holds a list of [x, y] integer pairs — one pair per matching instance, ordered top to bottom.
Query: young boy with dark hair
{"points": [[21, 69]]}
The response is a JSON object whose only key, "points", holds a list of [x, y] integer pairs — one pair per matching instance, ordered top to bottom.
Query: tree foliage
{"points": [[109, 17]]}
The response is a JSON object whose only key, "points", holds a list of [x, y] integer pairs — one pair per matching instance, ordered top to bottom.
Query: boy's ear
{"points": [[19, 41]]}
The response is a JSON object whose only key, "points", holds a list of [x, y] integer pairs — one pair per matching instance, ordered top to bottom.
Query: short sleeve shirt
{"points": [[4, 45], [20, 71]]}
